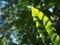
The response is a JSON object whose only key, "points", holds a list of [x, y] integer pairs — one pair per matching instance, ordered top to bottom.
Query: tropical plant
{"points": [[44, 24], [17, 26]]}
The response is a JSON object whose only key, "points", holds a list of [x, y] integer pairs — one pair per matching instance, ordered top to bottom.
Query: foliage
{"points": [[42, 21], [16, 23]]}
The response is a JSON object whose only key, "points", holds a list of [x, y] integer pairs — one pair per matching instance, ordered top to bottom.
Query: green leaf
{"points": [[47, 24]]}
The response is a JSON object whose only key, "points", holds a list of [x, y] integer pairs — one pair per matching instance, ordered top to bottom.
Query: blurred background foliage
{"points": [[16, 23]]}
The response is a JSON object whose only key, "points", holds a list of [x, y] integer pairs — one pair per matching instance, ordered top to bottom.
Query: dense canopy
{"points": [[16, 22]]}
